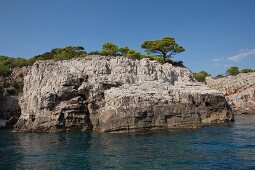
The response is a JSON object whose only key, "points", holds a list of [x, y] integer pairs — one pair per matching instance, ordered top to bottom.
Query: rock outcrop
{"points": [[10, 91], [239, 91], [113, 94]]}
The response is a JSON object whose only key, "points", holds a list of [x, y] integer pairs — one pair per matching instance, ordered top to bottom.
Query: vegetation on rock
{"points": [[166, 47], [109, 49], [158, 50], [123, 51], [62, 53], [8, 63], [246, 70], [233, 71], [200, 76]]}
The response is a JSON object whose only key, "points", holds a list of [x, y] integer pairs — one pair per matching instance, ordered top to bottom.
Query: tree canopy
{"points": [[166, 47], [109, 49], [157, 50], [123, 51], [65, 53], [133, 54], [8, 63], [246, 70], [233, 71]]}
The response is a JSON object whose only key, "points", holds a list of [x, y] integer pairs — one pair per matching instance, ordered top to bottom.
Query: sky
{"points": [[216, 34]]}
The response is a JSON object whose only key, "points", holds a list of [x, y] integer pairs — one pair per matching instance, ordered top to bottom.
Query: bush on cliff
{"points": [[109, 49], [159, 50], [123, 51], [65, 53], [133, 54], [8, 63], [246, 70], [233, 71], [200, 76]]}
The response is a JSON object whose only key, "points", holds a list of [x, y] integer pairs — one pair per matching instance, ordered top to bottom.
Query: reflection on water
{"points": [[227, 147]]}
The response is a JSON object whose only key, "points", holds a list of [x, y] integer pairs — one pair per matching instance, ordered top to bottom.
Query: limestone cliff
{"points": [[10, 90], [239, 91], [115, 94]]}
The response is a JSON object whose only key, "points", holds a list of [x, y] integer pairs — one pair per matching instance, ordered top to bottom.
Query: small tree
{"points": [[166, 47], [109, 49], [123, 51], [246, 70], [233, 71], [200, 76]]}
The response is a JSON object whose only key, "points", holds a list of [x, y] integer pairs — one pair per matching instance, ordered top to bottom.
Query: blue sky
{"points": [[216, 34]]}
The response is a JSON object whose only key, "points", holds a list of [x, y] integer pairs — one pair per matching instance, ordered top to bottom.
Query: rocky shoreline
{"points": [[239, 91], [115, 94]]}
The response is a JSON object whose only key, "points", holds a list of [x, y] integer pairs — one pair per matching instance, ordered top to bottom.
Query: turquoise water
{"points": [[227, 147]]}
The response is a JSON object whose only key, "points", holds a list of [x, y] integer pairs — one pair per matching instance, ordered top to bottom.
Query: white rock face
{"points": [[239, 91], [115, 94]]}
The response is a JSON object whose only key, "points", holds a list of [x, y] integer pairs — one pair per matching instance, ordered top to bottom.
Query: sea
{"points": [[226, 146]]}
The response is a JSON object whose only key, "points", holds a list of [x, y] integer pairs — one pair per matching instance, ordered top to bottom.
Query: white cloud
{"points": [[243, 54], [215, 60]]}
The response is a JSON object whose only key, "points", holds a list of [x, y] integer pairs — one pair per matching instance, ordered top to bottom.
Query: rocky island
{"points": [[115, 94]]}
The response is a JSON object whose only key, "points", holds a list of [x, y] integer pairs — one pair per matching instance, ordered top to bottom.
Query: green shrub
{"points": [[109, 49], [124, 51], [66, 53], [132, 54], [8, 63], [246, 70], [233, 71], [200, 76]]}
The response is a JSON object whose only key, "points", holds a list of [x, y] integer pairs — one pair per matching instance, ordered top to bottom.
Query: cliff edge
{"points": [[113, 94]]}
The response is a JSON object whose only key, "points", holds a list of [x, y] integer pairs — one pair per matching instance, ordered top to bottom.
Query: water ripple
{"points": [[226, 147]]}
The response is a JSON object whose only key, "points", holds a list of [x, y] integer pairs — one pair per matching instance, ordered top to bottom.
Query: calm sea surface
{"points": [[226, 147]]}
